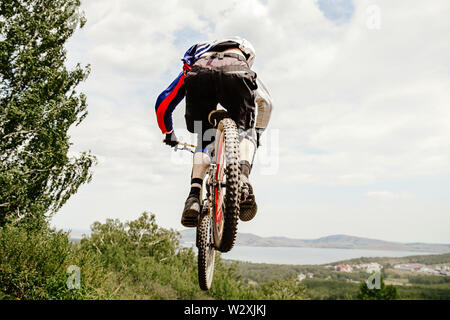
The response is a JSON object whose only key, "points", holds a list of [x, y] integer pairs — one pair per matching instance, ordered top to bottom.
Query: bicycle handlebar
{"points": [[185, 146]]}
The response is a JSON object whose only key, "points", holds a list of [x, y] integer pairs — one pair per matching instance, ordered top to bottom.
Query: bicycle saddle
{"points": [[216, 116]]}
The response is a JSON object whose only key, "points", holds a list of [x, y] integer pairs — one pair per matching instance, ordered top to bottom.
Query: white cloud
{"points": [[135, 38], [371, 100], [353, 106], [388, 195]]}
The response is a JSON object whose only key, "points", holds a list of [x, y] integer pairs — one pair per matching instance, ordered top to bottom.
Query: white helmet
{"points": [[246, 47]]}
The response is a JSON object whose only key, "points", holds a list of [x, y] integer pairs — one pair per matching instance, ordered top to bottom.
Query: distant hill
{"points": [[333, 241]]}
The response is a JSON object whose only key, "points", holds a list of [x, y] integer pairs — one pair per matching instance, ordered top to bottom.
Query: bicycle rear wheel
{"points": [[226, 189], [206, 251]]}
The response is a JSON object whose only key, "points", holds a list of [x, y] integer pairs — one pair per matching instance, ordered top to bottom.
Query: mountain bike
{"points": [[219, 214]]}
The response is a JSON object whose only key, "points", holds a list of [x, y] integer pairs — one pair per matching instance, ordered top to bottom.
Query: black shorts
{"points": [[214, 80]]}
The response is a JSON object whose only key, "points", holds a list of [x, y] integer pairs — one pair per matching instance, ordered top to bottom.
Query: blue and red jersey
{"points": [[172, 96], [167, 101]]}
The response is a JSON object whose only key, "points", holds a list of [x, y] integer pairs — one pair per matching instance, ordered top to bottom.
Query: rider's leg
{"points": [[237, 94], [200, 100], [247, 149], [202, 155], [200, 165], [248, 205], [191, 209]]}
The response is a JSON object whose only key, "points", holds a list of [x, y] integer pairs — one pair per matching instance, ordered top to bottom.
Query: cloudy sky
{"points": [[359, 140]]}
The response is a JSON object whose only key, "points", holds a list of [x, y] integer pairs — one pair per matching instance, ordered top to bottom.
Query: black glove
{"points": [[171, 139]]}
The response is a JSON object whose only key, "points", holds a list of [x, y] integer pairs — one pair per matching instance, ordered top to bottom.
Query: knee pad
{"points": [[249, 134], [208, 149]]}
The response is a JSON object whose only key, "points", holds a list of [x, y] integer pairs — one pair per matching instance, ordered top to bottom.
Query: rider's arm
{"points": [[172, 96], [167, 101], [264, 104]]}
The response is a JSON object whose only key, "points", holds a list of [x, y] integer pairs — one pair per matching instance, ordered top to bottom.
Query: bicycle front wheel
{"points": [[226, 189]]}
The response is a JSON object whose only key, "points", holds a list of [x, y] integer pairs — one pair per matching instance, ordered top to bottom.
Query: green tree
{"points": [[38, 105], [287, 289], [377, 292]]}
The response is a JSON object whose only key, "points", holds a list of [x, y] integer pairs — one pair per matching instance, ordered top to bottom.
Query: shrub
{"points": [[34, 262]]}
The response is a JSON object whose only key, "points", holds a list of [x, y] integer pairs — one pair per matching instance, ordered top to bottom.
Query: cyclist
{"points": [[215, 72]]}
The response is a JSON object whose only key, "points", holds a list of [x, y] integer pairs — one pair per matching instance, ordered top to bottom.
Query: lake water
{"points": [[294, 255]]}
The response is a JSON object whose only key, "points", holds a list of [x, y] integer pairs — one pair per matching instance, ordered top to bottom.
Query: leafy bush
{"points": [[131, 260], [33, 264], [426, 279], [288, 289], [321, 289], [384, 292], [425, 292]]}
